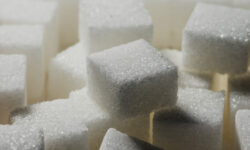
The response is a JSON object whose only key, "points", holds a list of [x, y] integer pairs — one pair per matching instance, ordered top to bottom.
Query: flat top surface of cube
{"points": [[26, 11], [115, 13], [228, 24], [21, 37], [133, 61], [196, 106], [243, 128], [20, 138], [115, 140]]}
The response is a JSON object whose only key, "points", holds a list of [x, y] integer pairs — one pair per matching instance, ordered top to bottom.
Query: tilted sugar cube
{"points": [[34, 13], [170, 17], [108, 23], [216, 39], [27, 40], [67, 72], [186, 78], [131, 79], [12, 84], [67, 117], [196, 122], [242, 123], [61, 128], [13, 137], [114, 140]]}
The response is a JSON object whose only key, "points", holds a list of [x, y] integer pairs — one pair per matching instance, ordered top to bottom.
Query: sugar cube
{"points": [[34, 13], [170, 17], [68, 21], [108, 23], [28, 40], [215, 41], [67, 72], [185, 77], [131, 79], [12, 84], [238, 100], [69, 119], [196, 122], [61, 128], [243, 129], [13, 137], [114, 140]]}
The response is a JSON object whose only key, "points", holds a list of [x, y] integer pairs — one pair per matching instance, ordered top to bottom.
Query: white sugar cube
{"points": [[34, 13], [170, 17], [68, 21], [108, 23], [216, 39], [28, 40], [67, 72], [186, 78], [131, 79], [12, 84], [238, 100], [67, 117], [94, 117], [196, 122], [61, 128], [243, 129], [14, 137], [115, 140]]}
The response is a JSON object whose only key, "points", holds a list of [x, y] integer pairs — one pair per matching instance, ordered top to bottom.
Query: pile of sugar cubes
{"points": [[124, 74]]}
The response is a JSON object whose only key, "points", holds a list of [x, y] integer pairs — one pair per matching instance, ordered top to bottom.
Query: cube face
{"points": [[34, 13], [107, 24], [27, 40], [221, 46], [67, 71], [126, 80], [12, 81], [197, 118], [242, 129], [21, 137], [114, 140]]}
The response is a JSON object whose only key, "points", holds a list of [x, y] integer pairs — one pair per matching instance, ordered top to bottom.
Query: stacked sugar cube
{"points": [[26, 12], [106, 24], [126, 78], [196, 122]]}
